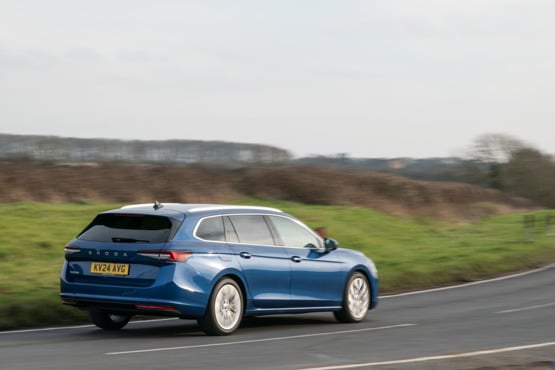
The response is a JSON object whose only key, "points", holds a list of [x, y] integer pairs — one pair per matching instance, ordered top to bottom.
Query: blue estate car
{"points": [[212, 263]]}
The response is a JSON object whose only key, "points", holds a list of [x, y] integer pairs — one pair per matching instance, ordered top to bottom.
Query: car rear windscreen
{"points": [[130, 228]]}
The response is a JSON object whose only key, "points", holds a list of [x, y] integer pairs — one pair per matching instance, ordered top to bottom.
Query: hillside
{"points": [[129, 183]]}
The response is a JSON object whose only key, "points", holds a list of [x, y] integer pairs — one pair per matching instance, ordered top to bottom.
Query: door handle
{"points": [[245, 255], [296, 259]]}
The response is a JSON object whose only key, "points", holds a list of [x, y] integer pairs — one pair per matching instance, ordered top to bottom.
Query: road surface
{"points": [[499, 322]]}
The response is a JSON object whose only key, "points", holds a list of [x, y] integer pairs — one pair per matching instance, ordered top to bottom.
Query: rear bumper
{"points": [[165, 296], [133, 306]]}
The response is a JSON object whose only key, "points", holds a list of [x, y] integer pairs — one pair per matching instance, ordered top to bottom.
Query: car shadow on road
{"points": [[189, 328]]}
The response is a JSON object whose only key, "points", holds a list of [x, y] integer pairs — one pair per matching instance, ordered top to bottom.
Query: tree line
{"points": [[61, 149]]}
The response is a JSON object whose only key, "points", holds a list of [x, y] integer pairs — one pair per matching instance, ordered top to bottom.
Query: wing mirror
{"points": [[330, 244]]}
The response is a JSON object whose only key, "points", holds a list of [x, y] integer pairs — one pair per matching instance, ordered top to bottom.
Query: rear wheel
{"points": [[356, 299], [225, 309], [108, 321]]}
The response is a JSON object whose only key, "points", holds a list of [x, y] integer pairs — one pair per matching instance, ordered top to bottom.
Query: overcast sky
{"points": [[369, 78]]}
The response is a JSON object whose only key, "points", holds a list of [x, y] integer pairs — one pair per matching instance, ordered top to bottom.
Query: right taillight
{"points": [[167, 255]]}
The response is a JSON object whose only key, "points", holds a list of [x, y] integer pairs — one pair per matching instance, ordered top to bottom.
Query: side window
{"points": [[211, 228], [252, 229], [230, 233], [293, 234]]}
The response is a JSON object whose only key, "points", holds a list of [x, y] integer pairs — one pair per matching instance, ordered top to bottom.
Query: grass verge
{"points": [[411, 253]]}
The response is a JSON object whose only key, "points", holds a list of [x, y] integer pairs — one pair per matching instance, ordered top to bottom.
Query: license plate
{"points": [[109, 268]]}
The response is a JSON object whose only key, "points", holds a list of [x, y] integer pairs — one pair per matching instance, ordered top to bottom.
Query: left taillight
{"points": [[68, 250], [167, 255]]}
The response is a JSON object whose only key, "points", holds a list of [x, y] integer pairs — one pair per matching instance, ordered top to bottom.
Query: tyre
{"points": [[356, 299], [225, 309], [108, 321]]}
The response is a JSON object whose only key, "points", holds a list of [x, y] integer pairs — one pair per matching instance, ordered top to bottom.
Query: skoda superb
{"points": [[212, 263]]}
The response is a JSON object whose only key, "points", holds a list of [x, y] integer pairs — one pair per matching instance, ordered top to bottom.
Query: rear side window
{"points": [[130, 228], [211, 229], [218, 229], [252, 229], [230, 233]]}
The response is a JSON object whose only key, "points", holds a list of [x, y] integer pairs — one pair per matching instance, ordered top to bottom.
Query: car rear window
{"points": [[130, 228]]}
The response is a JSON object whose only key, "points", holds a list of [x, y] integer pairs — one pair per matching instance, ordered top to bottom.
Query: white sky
{"points": [[383, 78]]}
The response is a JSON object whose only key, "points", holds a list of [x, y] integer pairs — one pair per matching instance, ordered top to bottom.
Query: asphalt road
{"points": [[487, 325]]}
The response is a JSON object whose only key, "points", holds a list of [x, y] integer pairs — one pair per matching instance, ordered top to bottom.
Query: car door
{"points": [[266, 266], [317, 277]]}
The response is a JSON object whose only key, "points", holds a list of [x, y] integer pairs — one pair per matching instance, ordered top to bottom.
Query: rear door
{"points": [[266, 266]]}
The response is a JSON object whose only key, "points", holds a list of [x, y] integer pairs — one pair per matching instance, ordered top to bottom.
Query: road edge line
{"points": [[464, 285], [435, 358]]}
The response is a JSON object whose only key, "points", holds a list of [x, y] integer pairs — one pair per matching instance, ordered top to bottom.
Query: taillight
{"points": [[68, 249], [170, 256]]}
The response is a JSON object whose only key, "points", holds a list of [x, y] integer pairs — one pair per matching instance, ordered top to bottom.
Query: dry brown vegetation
{"points": [[129, 183]]}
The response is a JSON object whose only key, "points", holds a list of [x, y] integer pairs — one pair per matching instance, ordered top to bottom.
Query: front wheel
{"points": [[356, 299], [225, 309], [108, 321]]}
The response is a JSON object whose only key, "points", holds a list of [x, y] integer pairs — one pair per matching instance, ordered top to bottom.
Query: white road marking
{"points": [[470, 284], [527, 308], [76, 327], [44, 329], [259, 340], [435, 358]]}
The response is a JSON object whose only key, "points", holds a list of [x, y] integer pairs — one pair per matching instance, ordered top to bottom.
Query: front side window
{"points": [[130, 228], [252, 229], [293, 234]]}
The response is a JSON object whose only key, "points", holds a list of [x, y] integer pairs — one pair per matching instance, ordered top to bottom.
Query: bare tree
{"points": [[494, 148], [488, 155], [508, 164]]}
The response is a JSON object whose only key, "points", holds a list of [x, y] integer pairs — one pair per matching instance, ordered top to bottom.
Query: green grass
{"points": [[32, 240], [410, 253]]}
